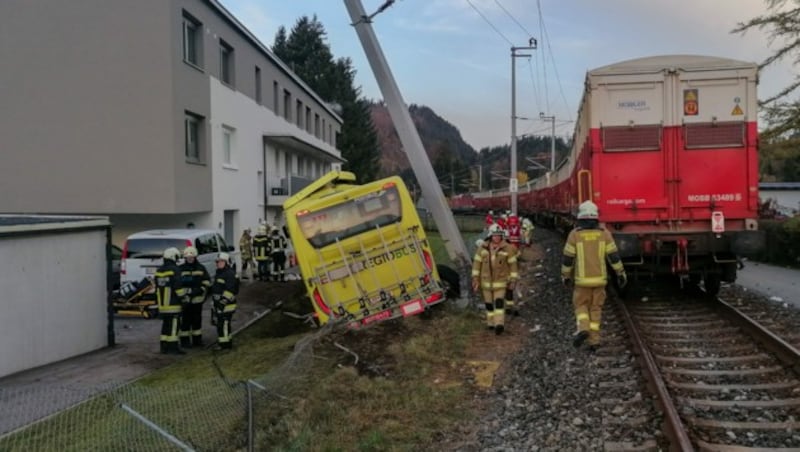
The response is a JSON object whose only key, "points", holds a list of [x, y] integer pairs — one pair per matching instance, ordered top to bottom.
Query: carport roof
{"points": [[30, 224]]}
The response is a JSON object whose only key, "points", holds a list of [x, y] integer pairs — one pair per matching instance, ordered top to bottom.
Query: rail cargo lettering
{"points": [[659, 171], [361, 249]]}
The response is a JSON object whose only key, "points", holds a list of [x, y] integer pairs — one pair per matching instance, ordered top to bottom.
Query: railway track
{"points": [[724, 382]]}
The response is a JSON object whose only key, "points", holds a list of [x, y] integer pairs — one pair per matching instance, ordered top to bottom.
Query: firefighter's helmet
{"points": [[587, 210], [491, 212], [495, 229], [262, 230], [190, 251], [172, 254], [223, 257]]}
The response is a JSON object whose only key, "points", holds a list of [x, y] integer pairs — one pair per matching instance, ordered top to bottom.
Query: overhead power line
{"points": [[490, 23], [530, 35], [553, 58]]}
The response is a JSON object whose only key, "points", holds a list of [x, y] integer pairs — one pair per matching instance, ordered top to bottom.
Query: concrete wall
{"points": [[87, 111], [53, 288]]}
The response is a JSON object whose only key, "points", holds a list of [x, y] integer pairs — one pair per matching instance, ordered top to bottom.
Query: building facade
{"points": [[156, 113]]}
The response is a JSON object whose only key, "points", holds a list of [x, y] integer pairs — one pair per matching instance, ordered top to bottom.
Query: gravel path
{"points": [[552, 395]]}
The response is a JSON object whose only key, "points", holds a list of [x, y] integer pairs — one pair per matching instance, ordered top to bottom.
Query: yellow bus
{"points": [[362, 250]]}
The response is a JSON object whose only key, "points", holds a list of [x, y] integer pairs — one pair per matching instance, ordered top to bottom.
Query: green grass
{"points": [[401, 393]]}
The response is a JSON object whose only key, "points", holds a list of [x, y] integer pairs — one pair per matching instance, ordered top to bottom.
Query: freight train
{"points": [[666, 146]]}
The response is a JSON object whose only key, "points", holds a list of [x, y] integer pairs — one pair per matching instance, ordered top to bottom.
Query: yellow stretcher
{"points": [[134, 299]]}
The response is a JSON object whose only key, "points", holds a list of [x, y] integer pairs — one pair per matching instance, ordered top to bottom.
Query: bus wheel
{"points": [[450, 280]]}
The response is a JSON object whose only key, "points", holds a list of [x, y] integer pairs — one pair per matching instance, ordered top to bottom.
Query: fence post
{"points": [[250, 435]]}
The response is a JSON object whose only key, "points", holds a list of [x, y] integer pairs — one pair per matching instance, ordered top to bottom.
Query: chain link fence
{"points": [[212, 412]]}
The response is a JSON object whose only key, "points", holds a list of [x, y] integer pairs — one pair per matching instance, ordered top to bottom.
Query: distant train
{"points": [[666, 146]]}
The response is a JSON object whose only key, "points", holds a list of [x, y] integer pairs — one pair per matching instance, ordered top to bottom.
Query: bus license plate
{"points": [[414, 307]]}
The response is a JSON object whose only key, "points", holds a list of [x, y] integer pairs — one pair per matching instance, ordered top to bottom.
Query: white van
{"points": [[142, 253]]}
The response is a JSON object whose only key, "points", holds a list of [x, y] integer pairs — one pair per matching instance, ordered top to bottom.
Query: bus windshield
{"points": [[354, 216]]}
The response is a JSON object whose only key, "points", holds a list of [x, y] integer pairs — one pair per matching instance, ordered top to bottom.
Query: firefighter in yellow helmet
{"points": [[585, 253], [494, 269], [170, 295]]}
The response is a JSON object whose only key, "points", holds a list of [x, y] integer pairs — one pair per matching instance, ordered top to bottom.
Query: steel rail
{"points": [[784, 351], [673, 426]]}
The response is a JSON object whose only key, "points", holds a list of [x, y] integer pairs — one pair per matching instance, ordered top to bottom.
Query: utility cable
{"points": [[490, 24], [530, 35], [553, 58], [544, 61]]}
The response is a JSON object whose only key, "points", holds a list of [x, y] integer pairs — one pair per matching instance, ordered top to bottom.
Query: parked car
{"points": [[142, 253], [116, 262]]}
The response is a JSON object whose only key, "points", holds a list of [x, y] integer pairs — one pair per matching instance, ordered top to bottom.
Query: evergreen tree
{"points": [[782, 22], [306, 51]]}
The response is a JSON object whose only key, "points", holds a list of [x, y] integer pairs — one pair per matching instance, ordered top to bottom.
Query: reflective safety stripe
{"points": [[611, 247], [569, 250], [601, 257], [478, 258], [512, 260], [617, 266], [566, 271], [581, 271], [476, 273], [514, 275], [598, 281], [493, 285], [227, 294], [229, 307], [170, 309], [581, 316], [594, 326]]}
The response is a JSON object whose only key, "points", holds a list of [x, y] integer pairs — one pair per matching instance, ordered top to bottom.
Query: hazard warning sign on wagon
{"points": [[691, 103], [717, 222]]}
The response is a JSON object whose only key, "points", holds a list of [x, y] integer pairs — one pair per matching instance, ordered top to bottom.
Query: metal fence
{"points": [[211, 413]]}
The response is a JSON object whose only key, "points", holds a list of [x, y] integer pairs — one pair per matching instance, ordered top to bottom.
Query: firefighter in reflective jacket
{"points": [[277, 249], [261, 250], [585, 253], [494, 269], [195, 279], [223, 294], [170, 295]]}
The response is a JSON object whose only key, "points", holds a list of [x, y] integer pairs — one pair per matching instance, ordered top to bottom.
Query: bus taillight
{"points": [[428, 260], [320, 302]]}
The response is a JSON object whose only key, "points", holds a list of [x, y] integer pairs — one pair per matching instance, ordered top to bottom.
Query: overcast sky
{"points": [[445, 55]]}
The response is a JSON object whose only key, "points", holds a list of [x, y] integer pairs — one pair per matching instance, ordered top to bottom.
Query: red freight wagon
{"points": [[666, 146]]}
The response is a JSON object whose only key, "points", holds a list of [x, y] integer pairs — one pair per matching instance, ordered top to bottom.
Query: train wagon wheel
{"points": [[712, 283]]}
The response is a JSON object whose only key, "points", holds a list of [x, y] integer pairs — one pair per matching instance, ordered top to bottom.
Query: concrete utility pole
{"points": [[552, 120], [410, 140], [512, 182]]}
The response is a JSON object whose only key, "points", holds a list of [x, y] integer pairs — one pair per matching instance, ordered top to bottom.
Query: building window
{"points": [[192, 40], [226, 73], [258, 85], [275, 98], [287, 105], [299, 113], [308, 119], [316, 125], [323, 129], [193, 131], [330, 134], [228, 145], [277, 161], [287, 164], [301, 166]]}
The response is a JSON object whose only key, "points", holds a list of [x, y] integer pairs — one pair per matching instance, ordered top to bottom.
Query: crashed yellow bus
{"points": [[362, 250]]}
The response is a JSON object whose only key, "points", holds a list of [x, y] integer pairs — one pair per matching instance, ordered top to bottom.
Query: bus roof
{"points": [[332, 177]]}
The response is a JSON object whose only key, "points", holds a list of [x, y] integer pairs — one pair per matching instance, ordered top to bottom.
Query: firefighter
{"points": [[489, 219], [502, 221], [513, 230], [527, 231], [277, 248], [246, 249], [261, 249], [585, 253], [494, 269], [195, 279], [223, 294], [170, 295]]}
